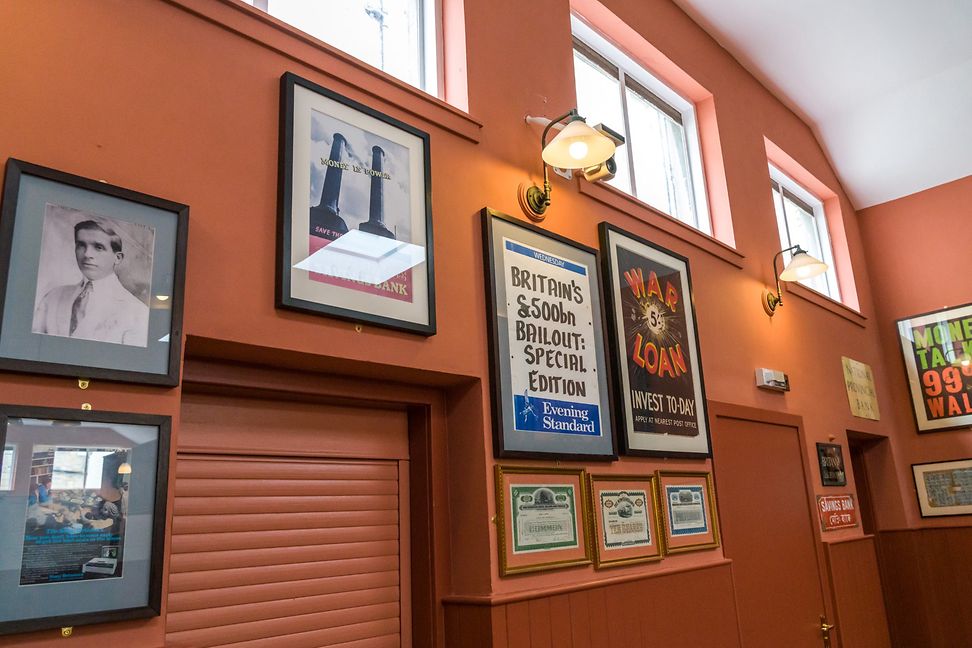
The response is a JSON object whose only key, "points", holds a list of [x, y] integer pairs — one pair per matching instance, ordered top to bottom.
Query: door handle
{"points": [[825, 629]]}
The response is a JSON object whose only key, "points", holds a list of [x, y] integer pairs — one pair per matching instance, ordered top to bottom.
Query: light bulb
{"points": [[577, 150]]}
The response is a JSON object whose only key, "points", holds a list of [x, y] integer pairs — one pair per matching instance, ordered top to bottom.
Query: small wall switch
{"points": [[772, 379]]}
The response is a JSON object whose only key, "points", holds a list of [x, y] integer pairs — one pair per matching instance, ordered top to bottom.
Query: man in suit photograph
{"points": [[99, 307]]}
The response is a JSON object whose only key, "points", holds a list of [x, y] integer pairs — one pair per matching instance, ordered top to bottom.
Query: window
{"points": [[395, 36], [660, 163], [801, 221], [78, 468], [7, 469]]}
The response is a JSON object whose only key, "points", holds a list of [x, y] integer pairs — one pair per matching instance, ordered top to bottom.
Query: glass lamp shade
{"points": [[577, 146], [803, 266], [125, 469]]}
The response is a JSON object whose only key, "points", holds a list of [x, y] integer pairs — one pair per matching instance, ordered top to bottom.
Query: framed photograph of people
{"points": [[355, 237], [91, 278], [654, 348], [937, 350], [551, 384], [830, 457], [944, 487], [83, 502], [541, 518], [690, 519], [625, 525]]}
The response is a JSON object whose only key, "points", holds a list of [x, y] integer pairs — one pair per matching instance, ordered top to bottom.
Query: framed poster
{"points": [[355, 237], [91, 278], [654, 348], [937, 350], [551, 384], [830, 457], [944, 487], [689, 504], [84, 516], [541, 519], [625, 526]]}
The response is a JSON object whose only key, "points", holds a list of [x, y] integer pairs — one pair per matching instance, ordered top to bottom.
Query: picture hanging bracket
{"points": [[83, 383], [86, 407], [67, 631]]}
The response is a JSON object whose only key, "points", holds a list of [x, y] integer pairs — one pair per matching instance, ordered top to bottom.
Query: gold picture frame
{"points": [[685, 494], [631, 503], [541, 518]]}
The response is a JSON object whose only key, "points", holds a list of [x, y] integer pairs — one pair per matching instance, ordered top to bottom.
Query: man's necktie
{"points": [[79, 306]]}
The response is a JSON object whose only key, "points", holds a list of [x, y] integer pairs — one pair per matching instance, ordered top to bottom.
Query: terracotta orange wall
{"points": [[179, 98], [918, 254]]}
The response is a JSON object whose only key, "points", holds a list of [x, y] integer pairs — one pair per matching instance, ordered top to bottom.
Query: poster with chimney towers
{"points": [[355, 239]]}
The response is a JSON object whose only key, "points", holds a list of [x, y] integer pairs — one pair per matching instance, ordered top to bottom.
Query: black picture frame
{"points": [[349, 286], [126, 343], [941, 356], [656, 438], [509, 441], [830, 458], [949, 479], [155, 493]]}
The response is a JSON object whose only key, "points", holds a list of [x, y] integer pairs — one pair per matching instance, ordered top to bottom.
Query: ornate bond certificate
{"points": [[686, 509], [544, 517], [624, 517]]}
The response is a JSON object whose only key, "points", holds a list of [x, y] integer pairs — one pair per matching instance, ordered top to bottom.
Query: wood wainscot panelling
{"points": [[927, 578], [856, 588], [684, 609]]}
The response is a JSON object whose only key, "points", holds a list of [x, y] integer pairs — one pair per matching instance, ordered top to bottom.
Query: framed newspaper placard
{"points": [[355, 223], [654, 348], [937, 350], [551, 389], [944, 487], [82, 501], [689, 505], [541, 519], [625, 527]]}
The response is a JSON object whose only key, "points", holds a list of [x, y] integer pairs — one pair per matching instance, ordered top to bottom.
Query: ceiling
{"points": [[885, 84]]}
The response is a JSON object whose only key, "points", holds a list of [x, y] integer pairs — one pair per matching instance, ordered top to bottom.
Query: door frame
{"points": [[724, 410]]}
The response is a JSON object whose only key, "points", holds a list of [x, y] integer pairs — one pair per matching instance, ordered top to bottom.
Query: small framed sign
{"points": [[355, 238], [91, 278], [654, 348], [938, 364], [551, 384], [830, 456], [944, 487], [83, 500], [837, 512], [541, 518], [691, 522], [625, 524]]}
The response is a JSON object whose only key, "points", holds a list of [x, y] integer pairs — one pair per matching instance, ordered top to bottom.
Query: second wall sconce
{"points": [[576, 146], [801, 266]]}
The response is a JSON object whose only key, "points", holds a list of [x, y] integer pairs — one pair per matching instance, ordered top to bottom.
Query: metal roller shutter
{"points": [[289, 552]]}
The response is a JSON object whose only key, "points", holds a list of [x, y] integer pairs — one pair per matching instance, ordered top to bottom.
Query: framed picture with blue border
{"points": [[551, 387], [689, 510]]}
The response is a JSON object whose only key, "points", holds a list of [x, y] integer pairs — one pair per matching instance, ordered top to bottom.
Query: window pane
{"points": [[385, 33], [599, 101], [662, 176], [803, 232], [69, 468], [6, 470], [94, 476]]}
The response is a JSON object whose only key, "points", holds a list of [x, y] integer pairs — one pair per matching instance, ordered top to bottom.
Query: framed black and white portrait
{"points": [[92, 278]]}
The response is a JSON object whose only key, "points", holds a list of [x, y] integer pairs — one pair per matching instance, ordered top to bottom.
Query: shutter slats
{"points": [[242, 468], [282, 487], [296, 503], [225, 523], [284, 538], [284, 555], [200, 580], [320, 638]]}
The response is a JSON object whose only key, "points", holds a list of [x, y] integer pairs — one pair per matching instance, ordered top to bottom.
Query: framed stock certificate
{"points": [[688, 499], [625, 525]]}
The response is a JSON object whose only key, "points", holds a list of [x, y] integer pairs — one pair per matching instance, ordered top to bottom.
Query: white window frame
{"points": [[430, 44], [673, 101], [786, 184], [13, 465]]}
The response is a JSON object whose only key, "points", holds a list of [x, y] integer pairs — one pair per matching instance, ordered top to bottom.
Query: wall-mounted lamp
{"points": [[576, 146], [801, 266], [125, 469]]}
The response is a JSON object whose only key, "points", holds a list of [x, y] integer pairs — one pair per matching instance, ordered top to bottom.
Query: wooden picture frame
{"points": [[364, 255], [112, 309], [937, 368], [551, 387], [659, 388], [94, 487], [943, 488], [541, 519], [691, 520], [626, 527]]}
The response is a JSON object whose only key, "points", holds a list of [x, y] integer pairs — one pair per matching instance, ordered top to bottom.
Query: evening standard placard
{"points": [[553, 364], [544, 517]]}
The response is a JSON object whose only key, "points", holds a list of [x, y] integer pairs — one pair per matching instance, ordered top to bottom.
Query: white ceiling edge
{"points": [[885, 85]]}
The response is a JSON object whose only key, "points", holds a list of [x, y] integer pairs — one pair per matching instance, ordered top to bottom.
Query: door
{"points": [[768, 532], [272, 550]]}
